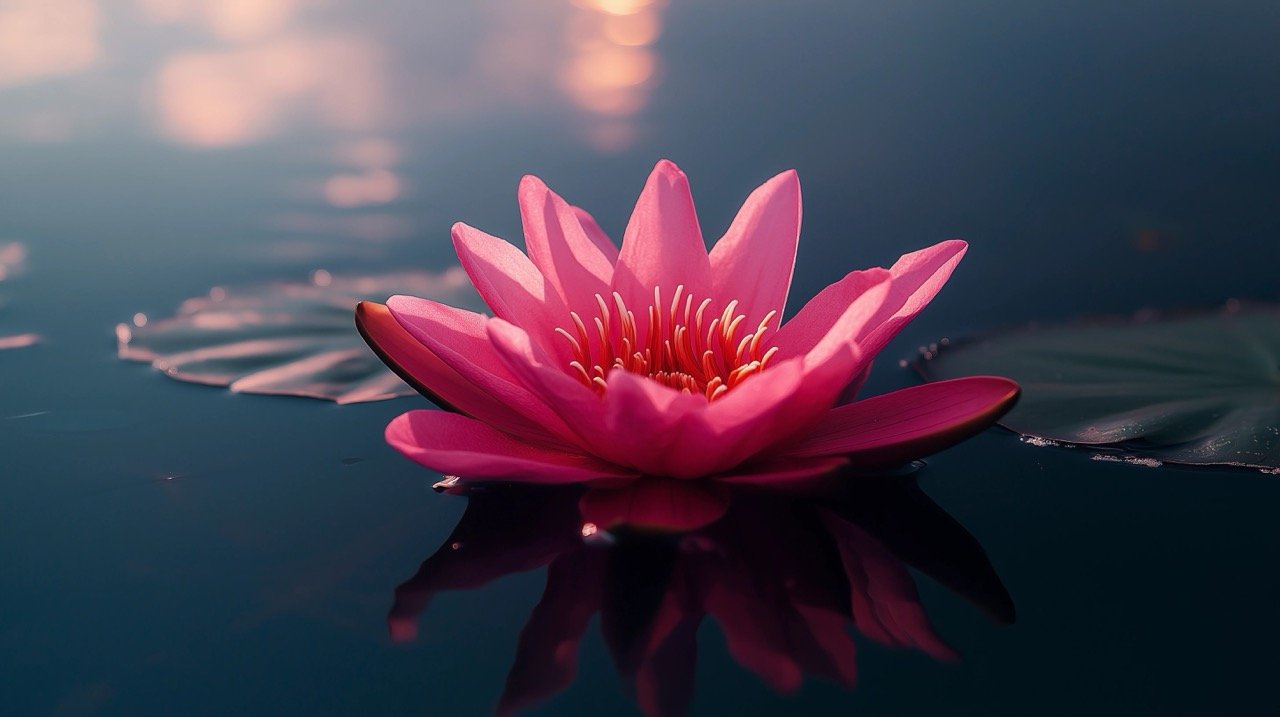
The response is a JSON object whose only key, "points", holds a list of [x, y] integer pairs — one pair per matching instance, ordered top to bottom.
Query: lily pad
{"points": [[294, 339], [1199, 389]]}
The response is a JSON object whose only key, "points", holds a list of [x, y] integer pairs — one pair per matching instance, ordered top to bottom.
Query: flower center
{"points": [[686, 346]]}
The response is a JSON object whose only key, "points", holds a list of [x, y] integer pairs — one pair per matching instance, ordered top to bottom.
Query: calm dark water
{"points": [[175, 549]]}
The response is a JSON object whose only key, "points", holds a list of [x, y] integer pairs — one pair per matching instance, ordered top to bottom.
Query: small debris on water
{"points": [[1131, 460], [446, 484]]}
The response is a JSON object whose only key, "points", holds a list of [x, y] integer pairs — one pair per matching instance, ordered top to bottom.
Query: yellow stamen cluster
{"points": [[686, 347]]}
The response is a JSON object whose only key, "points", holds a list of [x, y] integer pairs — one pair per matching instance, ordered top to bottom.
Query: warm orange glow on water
{"points": [[616, 7], [232, 20], [635, 30], [46, 38], [611, 69], [237, 96], [370, 152], [377, 186]]}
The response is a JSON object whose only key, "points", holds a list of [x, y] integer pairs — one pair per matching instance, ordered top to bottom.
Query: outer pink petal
{"points": [[597, 235], [662, 245], [755, 258], [573, 264], [917, 277], [511, 285], [461, 341], [432, 377], [787, 398], [896, 427], [457, 445]]}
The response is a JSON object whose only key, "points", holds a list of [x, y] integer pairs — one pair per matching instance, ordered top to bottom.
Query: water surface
{"points": [[176, 548]]}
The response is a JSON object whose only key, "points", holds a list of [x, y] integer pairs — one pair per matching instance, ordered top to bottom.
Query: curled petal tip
{"points": [[669, 169], [531, 183]]}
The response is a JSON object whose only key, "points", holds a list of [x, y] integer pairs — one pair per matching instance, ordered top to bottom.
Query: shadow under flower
{"points": [[784, 576]]}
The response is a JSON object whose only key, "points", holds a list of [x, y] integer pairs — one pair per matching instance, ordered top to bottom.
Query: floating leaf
{"points": [[295, 339], [1199, 389]]}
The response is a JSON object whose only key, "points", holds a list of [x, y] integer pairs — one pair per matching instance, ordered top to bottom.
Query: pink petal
{"points": [[597, 235], [662, 245], [560, 247], [754, 260], [917, 277], [511, 285], [460, 340], [826, 369], [432, 377], [572, 403], [647, 423], [739, 425], [629, 426], [894, 428], [661, 431], [457, 445], [656, 503]]}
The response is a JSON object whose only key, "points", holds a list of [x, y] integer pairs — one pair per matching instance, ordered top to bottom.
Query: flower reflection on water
{"points": [[784, 576]]}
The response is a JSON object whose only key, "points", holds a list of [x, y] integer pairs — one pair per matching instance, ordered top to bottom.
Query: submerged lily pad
{"points": [[295, 339], [1200, 389]]}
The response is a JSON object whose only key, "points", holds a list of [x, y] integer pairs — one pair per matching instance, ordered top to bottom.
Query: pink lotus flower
{"points": [[662, 359]]}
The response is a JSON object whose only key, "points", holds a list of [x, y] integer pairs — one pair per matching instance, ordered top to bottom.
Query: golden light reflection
{"points": [[615, 7], [231, 20], [635, 30], [46, 38], [611, 69], [231, 97], [370, 153], [375, 186]]}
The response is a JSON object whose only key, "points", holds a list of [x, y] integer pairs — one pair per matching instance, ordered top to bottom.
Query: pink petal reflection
{"points": [[790, 580]]}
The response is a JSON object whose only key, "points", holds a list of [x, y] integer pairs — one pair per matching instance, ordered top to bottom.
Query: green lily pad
{"points": [[286, 339], [1200, 389]]}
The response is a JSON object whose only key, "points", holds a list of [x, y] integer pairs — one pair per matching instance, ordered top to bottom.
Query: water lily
{"points": [[664, 359]]}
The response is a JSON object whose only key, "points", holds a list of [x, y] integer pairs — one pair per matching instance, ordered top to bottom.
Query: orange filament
{"points": [[686, 347]]}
